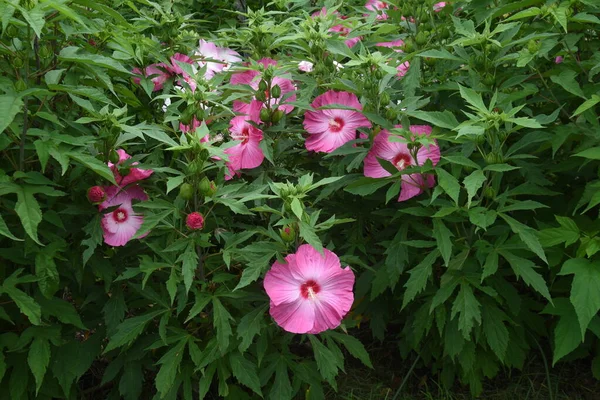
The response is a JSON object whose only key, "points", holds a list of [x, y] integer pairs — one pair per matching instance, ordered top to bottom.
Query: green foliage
{"points": [[499, 252]]}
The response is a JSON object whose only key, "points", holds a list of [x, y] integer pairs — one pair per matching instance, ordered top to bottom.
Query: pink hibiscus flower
{"points": [[377, 6], [437, 7], [396, 45], [220, 58], [174, 68], [402, 69], [158, 71], [252, 78], [331, 128], [246, 154], [400, 155], [134, 175], [121, 224], [311, 292]]}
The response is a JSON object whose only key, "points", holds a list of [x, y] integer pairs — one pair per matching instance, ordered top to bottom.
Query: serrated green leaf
{"points": [[567, 80], [586, 105], [10, 106], [444, 119], [95, 165], [174, 182], [449, 183], [473, 183], [365, 186], [297, 208], [4, 231], [308, 233], [527, 235], [443, 236], [524, 268], [419, 276], [585, 290], [202, 300], [468, 307], [221, 323], [249, 327], [130, 329], [495, 331], [354, 347], [38, 359], [327, 362], [169, 363], [245, 372], [282, 388]]}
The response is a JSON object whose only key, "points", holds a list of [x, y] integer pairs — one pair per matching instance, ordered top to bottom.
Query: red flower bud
{"points": [[96, 194], [195, 221]]}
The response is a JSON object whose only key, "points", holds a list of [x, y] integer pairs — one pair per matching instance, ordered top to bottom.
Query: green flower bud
{"points": [[11, 31], [421, 38], [409, 45], [533, 46], [18, 62], [378, 74], [488, 79], [20, 85], [262, 85], [276, 92], [261, 96], [385, 98], [391, 114], [265, 115], [276, 116], [114, 157], [204, 186], [213, 189], [186, 191], [490, 192], [288, 233]]}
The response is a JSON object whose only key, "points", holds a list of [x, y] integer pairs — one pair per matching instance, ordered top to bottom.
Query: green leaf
{"points": [[530, 12], [35, 18], [337, 46], [442, 54], [77, 55], [567, 80], [473, 98], [586, 105], [10, 106], [444, 119], [592, 153], [462, 160], [95, 165], [500, 168], [174, 182], [449, 183], [473, 183], [365, 186], [297, 208], [29, 211], [4, 231], [307, 232], [527, 235], [442, 236], [189, 263], [491, 265], [524, 268], [45, 270], [419, 276], [585, 291], [202, 300], [25, 303], [468, 307], [61, 310], [221, 324], [250, 326], [130, 329], [495, 331], [566, 339], [354, 347], [38, 360], [72, 360], [327, 362], [170, 363], [245, 372], [132, 380], [282, 388]]}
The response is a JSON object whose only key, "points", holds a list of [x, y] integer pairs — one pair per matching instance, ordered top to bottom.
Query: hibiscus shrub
{"points": [[202, 202]]}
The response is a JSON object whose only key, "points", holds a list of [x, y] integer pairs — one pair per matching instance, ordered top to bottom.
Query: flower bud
{"points": [[421, 38], [20, 85], [262, 85], [276, 92], [261, 96], [385, 98], [265, 115], [276, 116], [114, 157], [204, 186], [213, 189], [186, 191], [490, 193], [96, 194], [195, 221], [288, 233]]}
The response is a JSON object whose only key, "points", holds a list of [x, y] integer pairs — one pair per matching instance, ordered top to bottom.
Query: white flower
{"points": [[338, 65]]}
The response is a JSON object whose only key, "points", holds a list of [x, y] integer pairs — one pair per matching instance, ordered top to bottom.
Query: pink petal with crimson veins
{"points": [[429, 153], [281, 285], [296, 317]]}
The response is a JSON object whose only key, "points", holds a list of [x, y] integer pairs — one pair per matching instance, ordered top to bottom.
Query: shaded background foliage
{"points": [[497, 261]]}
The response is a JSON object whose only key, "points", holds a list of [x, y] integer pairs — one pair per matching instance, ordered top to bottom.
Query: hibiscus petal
{"points": [[281, 285], [296, 317]]}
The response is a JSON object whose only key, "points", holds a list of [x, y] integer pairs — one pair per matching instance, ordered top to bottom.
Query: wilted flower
{"points": [[311, 292]]}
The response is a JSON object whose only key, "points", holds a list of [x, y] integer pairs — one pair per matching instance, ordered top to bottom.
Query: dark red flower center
{"points": [[336, 124], [245, 136], [401, 161], [120, 215], [309, 289]]}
